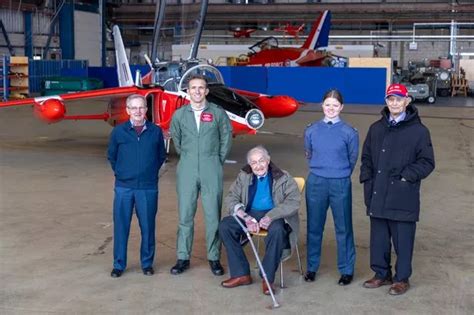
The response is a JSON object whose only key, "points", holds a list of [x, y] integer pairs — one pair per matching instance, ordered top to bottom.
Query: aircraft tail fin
{"points": [[319, 35], [123, 68]]}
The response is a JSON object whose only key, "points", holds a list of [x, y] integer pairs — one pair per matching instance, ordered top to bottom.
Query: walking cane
{"points": [[275, 303]]}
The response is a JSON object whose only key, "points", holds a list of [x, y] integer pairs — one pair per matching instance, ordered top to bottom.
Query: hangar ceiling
{"points": [[343, 13]]}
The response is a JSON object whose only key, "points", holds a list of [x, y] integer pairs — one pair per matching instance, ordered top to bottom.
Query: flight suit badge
{"points": [[206, 117]]}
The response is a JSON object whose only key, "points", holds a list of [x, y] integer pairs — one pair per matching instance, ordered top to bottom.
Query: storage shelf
{"points": [[14, 77]]}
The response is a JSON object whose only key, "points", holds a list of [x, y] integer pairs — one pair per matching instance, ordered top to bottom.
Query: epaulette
{"points": [[308, 125]]}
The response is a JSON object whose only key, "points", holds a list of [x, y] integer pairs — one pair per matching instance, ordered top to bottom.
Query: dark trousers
{"points": [[321, 193], [145, 202], [383, 232], [275, 241]]}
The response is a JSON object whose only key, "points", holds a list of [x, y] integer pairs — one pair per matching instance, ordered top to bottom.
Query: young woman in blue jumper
{"points": [[331, 147]]}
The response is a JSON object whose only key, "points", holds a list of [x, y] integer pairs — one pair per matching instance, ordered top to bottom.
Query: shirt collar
{"points": [[202, 109], [398, 119], [333, 120], [132, 125]]}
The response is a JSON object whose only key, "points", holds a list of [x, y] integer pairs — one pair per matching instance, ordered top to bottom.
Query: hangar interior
{"points": [[421, 39], [56, 185]]}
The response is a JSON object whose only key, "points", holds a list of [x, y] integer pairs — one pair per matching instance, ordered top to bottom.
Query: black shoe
{"points": [[180, 267], [216, 267], [148, 271], [116, 273], [310, 276], [345, 279]]}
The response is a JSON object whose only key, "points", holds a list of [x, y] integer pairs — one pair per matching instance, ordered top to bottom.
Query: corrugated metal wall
{"points": [[14, 21], [41, 23], [40, 70]]}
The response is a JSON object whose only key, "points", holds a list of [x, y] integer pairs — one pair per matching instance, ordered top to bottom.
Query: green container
{"points": [[61, 85]]}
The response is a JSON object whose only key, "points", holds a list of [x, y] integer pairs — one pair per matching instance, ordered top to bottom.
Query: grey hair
{"points": [[135, 97], [261, 149]]}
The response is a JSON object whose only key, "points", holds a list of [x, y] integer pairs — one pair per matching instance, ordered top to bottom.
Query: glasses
{"points": [[134, 109], [259, 162]]}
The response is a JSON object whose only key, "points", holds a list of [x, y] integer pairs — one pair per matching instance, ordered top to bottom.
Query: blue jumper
{"points": [[331, 149], [136, 159], [263, 195]]}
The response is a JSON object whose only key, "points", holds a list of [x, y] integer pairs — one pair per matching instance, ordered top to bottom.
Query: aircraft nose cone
{"points": [[290, 105]]}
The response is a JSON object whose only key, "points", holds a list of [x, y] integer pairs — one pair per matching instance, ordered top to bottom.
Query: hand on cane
{"points": [[250, 222]]}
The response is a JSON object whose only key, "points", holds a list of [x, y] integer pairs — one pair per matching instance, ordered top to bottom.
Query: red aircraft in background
{"points": [[291, 30], [239, 33], [267, 53], [165, 93]]}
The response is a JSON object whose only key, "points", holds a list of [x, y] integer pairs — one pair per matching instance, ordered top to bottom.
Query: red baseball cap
{"points": [[397, 90]]}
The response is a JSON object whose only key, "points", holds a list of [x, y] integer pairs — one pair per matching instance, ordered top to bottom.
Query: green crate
{"points": [[60, 85]]}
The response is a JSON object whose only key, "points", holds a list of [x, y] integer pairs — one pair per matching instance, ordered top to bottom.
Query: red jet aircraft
{"points": [[290, 29], [239, 33], [267, 53], [164, 94]]}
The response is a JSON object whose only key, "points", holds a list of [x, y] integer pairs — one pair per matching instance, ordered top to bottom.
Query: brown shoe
{"points": [[237, 281], [376, 283], [399, 288], [265, 289]]}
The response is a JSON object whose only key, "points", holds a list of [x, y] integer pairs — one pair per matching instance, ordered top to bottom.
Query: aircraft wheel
{"points": [[431, 99]]}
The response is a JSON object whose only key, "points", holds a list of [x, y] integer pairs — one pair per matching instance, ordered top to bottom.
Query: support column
{"points": [[103, 12], [66, 30], [28, 35], [389, 43]]}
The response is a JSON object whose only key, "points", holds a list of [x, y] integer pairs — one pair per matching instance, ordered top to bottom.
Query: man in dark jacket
{"points": [[136, 152], [397, 154]]}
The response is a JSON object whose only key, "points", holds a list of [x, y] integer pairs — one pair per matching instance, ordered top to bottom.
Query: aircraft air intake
{"points": [[254, 119]]}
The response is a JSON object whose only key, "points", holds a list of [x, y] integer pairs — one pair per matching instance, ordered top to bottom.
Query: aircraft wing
{"points": [[105, 94], [53, 108]]}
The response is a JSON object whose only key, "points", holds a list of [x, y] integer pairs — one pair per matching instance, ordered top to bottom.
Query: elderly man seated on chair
{"points": [[264, 197]]}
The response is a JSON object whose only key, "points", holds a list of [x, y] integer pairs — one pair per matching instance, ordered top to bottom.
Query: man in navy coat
{"points": [[136, 152], [397, 154]]}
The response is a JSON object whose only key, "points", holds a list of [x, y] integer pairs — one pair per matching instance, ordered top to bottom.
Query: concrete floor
{"points": [[56, 228]]}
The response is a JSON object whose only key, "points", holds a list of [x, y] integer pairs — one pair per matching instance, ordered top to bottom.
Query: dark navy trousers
{"points": [[321, 193], [145, 202], [382, 233], [276, 240]]}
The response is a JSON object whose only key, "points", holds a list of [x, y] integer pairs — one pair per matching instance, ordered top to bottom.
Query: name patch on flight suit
{"points": [[206, 117]]}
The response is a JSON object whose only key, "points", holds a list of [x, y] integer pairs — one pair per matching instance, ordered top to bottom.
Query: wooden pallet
{"points": [[459, 85]]}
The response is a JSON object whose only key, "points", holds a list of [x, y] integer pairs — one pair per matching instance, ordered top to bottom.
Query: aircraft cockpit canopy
{"points": [[266, 43], [212, 75]]}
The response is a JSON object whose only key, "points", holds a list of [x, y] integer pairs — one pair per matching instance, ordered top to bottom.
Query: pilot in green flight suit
{"points": [[202, 136]]}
